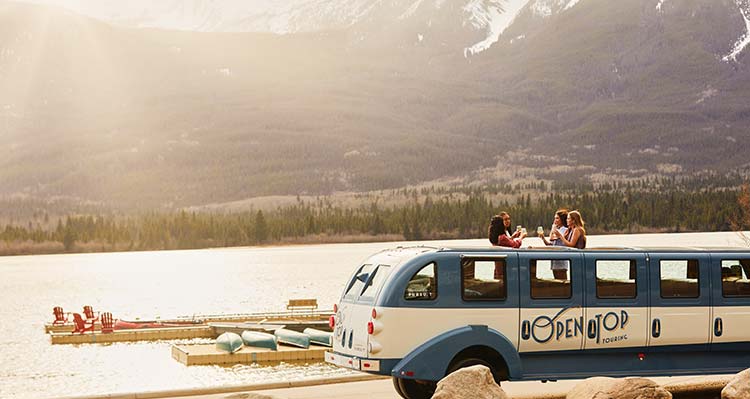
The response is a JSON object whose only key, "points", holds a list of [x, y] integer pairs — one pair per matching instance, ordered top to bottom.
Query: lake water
{"points": [[175, 283]]}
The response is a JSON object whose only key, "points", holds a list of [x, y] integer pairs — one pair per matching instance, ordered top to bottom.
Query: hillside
{"points": [[143, 118]]}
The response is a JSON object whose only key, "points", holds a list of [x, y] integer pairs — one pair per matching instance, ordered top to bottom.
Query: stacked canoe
{"points": [[231, 342], [257, 347]]}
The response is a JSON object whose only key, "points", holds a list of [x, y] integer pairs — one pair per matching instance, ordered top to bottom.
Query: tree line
{"points": [[607, 210]]}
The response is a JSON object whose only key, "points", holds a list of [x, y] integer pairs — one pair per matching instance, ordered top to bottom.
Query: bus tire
{"points": [[397, 387], [415, 389]]}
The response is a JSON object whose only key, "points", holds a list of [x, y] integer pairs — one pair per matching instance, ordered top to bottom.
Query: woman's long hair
{"points": [[562, 213], [576, 216], [496, 228]]}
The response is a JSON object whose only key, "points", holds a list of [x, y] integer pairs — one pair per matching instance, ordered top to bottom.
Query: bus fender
{"points": [[430, 360]]}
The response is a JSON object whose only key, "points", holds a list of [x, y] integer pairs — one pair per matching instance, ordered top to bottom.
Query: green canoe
{"points": [[319, 337], [293, 338], [259, 339], [229, 342]]}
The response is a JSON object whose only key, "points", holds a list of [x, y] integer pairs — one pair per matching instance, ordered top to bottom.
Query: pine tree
{"points": [[261, 229]]}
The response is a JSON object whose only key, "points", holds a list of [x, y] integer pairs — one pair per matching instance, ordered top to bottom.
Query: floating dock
{"points": [[314, 319], [166, 333], [138, 334], [207, 354]]}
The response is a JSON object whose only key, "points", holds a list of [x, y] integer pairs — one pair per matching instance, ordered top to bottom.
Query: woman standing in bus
{"points": [[561, 222], [575, 237], [559, 267]]}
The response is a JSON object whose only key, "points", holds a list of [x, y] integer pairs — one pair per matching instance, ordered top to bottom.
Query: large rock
{"points": [[474, 382], [595, 387], [738, 387], [610, 388]]}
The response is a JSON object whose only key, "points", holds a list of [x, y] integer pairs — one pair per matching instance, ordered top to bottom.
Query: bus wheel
{"points": [[397, 387], [415, 389]]}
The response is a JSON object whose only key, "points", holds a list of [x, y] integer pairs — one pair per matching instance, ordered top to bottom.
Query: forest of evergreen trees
{"points": [[606, 209]]}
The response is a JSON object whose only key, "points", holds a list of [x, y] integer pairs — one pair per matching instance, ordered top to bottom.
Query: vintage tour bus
{"points": [[419, 313]]}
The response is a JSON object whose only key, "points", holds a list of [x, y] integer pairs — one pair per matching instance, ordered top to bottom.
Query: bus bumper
{"points": [[353, 362]]}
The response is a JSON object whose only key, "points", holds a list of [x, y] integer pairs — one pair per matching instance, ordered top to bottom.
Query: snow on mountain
{"points": [[546, 8], [494, 16], [489, 17], [744, 40]]}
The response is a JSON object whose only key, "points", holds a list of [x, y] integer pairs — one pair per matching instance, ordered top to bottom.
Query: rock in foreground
{"points": [[473, 382], [738, 387], [610, 388]]}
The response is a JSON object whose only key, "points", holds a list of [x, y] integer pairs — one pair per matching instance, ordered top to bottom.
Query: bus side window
{"points": [[679, 278], [734, 278], [483, 279], [616, 279], [544, 283], [423, 285]]}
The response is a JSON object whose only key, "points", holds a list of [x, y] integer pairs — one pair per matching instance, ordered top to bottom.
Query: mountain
{"points": [[364, 95]]}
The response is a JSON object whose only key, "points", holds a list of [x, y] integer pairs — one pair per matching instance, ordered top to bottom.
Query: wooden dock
{"points": [[308, 318], [140, 334], [207, 354]]}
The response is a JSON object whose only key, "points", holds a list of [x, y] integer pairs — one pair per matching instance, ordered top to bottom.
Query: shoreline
{"points": [[50, 248]]}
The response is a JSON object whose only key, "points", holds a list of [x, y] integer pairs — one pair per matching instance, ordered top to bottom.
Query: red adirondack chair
{"points": [[60, 316], [91, 316], [108, 324], [82, 325]]}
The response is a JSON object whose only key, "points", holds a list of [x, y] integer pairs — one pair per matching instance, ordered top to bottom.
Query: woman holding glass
{"points": [[559, 228], [575, 236]]}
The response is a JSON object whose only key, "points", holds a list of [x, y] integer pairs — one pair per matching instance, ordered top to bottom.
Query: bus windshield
{"points": [[367, 281]]}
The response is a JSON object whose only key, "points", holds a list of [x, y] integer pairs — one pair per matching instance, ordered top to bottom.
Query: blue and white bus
{"points": [[419, 313]]}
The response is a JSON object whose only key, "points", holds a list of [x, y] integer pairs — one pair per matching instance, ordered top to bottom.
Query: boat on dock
{"points": [[318, 337], [293, 338], [260, 340], [229, 342]]}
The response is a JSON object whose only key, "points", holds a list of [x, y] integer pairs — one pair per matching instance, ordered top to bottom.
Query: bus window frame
{"points": [[474, 259], [533, 261], [434, 264], [633, 264], [698, 282]]}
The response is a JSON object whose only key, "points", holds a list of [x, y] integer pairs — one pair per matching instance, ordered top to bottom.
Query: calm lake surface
{"points": [[177, 283]]}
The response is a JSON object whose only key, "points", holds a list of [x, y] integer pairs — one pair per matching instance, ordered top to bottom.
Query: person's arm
{"points": [[573, 239], [504, 241], [547, 243]]}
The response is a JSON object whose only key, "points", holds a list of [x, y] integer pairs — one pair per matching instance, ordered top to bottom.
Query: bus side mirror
{"points": [[363, 277]]}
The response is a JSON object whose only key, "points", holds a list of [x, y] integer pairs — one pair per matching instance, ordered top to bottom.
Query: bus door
{"points": [[730, 288], [551, 300], [680, 301], [616, 311]]}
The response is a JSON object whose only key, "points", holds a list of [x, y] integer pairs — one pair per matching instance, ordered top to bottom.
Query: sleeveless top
{"points": [[581, 243]]}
